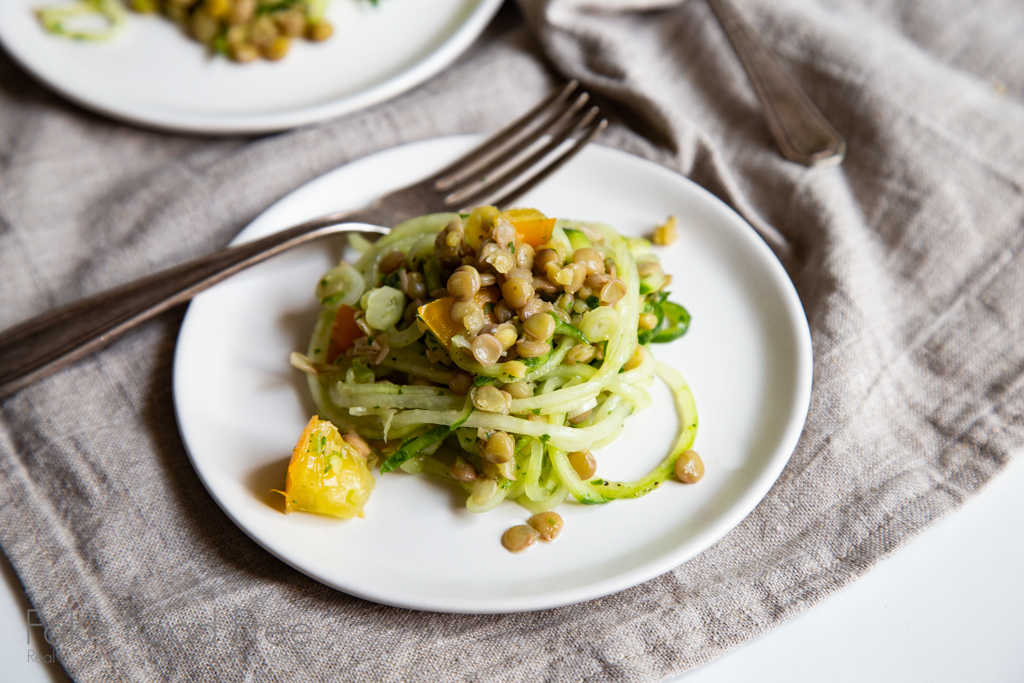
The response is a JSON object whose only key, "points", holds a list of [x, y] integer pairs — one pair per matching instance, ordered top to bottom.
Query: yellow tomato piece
{"points": [[479, 224], [533, 227], [438, 318], [344, 332], [326, 475]]}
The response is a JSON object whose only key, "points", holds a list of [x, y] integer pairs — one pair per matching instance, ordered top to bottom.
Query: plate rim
{"points": [[222, 125], [737, 512]]}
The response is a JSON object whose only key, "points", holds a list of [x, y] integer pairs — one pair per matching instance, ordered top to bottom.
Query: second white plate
{"points": [[153, 75], [747, 358]]}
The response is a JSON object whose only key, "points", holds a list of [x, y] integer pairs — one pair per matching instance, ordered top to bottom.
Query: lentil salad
{"points": [[243, 30], [497, 350]]}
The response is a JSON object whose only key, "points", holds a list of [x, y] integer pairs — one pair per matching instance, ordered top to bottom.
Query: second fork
{"points": [[499, 171]]}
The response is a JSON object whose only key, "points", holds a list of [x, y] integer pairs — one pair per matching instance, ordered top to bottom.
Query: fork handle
{"points": [[799, 128], [43, 345]]}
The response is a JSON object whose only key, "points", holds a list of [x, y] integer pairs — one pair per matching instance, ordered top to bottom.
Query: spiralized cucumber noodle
{"points": [[395, 385]]}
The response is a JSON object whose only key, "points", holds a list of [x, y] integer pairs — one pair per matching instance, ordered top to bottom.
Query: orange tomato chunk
{"points": [[533, 227], [438, 318], [344, 332], [326, 474]]}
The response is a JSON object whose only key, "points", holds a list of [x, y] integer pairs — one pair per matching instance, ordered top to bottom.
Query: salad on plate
{"points": [[496, 350]]}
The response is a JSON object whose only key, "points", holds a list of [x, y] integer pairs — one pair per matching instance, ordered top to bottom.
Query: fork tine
{"points": [[503, 137], [554, 165], [459, 182], [492, 188]]}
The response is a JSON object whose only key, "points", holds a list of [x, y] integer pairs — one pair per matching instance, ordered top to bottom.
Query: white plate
{"points": [[152, 75], [747, 357]]}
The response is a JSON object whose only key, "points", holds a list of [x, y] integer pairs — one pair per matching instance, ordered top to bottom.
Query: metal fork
{"points": [[801, 131], [528, 150]]}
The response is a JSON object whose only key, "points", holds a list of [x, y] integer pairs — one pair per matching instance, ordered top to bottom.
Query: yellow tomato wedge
{"points": [[533, 227], [437, 314], [437, 317], [344, 332], [326, 475]]}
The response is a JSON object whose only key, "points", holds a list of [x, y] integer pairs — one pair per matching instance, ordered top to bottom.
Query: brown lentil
{"points": [[217, 9], [242, 12], [291, 24], [203, 27], [319, 31], [277, 49], [244, 52], [525, 256], [542, 259], [590, 259], [391, 262], [520, 273], [464, 283], [543, 284], [417, 288], [517, 292], [612, 292], [533, 307], [502, 312], [648, 321], [539, 326], [528, 348], [487, 349], [581, 353], [460, 382], [518, 389], [491, 399], [500, 448], [584, 464], [689, 467], [462, 470], [507, 470], [547, 525], [519, 538]]}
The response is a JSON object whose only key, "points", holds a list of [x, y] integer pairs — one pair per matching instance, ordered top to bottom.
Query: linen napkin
{"points": [[907, 259]]}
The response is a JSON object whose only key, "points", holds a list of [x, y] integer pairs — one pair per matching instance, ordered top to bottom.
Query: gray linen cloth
{"points": [[907, 258]]}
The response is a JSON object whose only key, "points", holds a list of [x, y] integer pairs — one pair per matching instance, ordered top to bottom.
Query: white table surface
{"points": [[948, 607]]}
